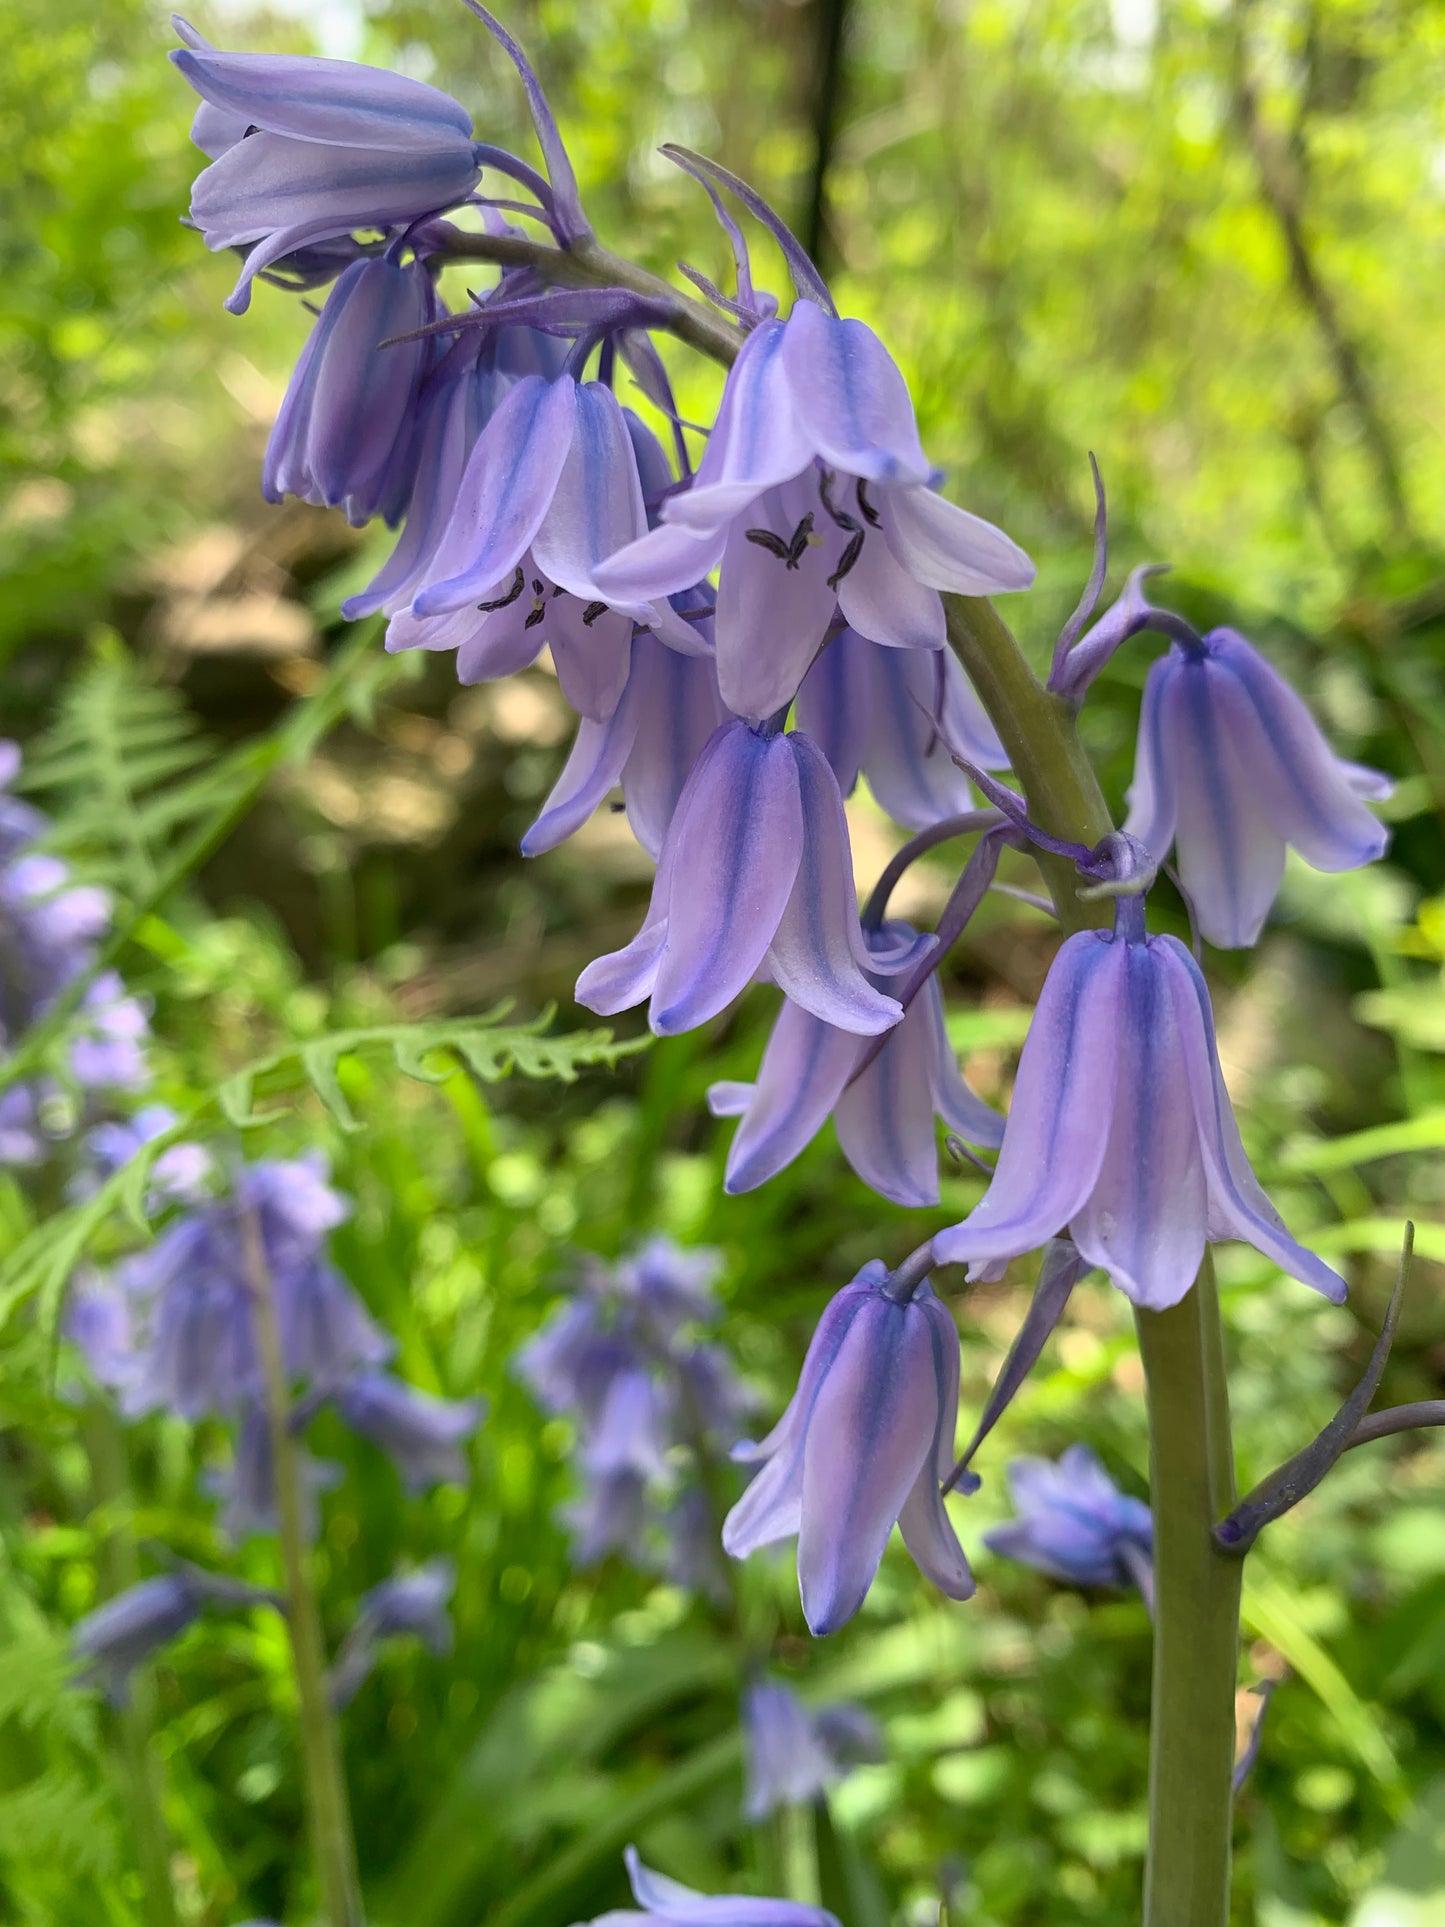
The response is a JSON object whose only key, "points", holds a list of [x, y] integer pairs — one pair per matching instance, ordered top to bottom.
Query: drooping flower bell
{"points": [[307, 149], [346, 430], [549, 489], [814, 492], [898, 717], [1231, 767], [755, 871], [884, 1116], [1121, 1129], [422, 1435], [864, 1444], [1076, 1525], [407, 1605], [123, 1633], [792, 1754], [667, 1903]]}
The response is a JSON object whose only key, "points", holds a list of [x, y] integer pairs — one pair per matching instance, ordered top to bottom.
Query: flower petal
{"points": [[337, 102], [851, 400], [757, 440], [505, 492], [596, 508], [947, 548], [667, 559], [881, 600], [772, 613], [591, 656], [835, 705], [680, 710], [909, 763], [593, 767], [1153, 794], [740, 840], [818, 954], [626, 977], [804, 1068], [960, 1107], [885, 1118], [1056, 1134], [1238, 1206], [1145, 1219], [871, 1430]]}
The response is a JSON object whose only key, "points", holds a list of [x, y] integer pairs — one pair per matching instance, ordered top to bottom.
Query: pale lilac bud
{"points": [[1231, 767], [1121, 1132], [864, 1444]]}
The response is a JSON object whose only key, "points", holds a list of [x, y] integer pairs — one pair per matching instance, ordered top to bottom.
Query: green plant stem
{"points": [[1191, 1466], [119, 1568], [328, 1810]]}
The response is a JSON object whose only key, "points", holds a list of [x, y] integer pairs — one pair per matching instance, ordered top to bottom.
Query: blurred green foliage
{"points": [[1203, 240]]}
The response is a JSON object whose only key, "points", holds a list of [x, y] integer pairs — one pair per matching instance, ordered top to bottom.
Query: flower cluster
{"points": [[50, 930], [654, 1402]]}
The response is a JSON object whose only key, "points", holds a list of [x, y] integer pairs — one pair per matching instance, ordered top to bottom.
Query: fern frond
{"points": [[124, 770], [268, 1087], [63, 1817]]}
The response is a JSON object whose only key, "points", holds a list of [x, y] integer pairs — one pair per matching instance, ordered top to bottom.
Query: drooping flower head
{"points": [[814, 493], [1230, 768], [755, 872], [884, 1115], [1121, 1130], [423, 1436], [864, 1444], [1075, 1524], [407, 1605], [792, 1754]]}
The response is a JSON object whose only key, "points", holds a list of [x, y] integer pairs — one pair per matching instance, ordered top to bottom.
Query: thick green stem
{"points": [[1191, 1464], [119, 1568], [1196, 1616], [327, 1807]]}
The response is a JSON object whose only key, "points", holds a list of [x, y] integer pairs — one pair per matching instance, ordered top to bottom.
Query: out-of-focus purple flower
{"points": [[307, 149], [346, 430], [550, 488], [814, 493], [668, 709], [898, 717], [1231, 767], [20, 823], [755, 872], [48, 926], [109, 1053], [884, 1117], [1121, 1131], [179, 1175], [670, 1283], [100, 1320], [200, 1355], [563, 1357], [717, 1401], [632, 1430], [421, 1435], [864, 1444], [247, 1486], [608, 1515], [1075, 1524], [692, 1554], [409, 1604], [124, 1632], [787, 1765], [667, 1901]]}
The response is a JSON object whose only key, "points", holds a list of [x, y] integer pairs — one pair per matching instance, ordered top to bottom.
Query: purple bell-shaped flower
{"points": [[308, 149], [346, 430], [550, 488], [814, 493], [1231, 767], [755, 871], [884, 1117], [1121, 1131], [423, 1436], [865, 1443], [1076, 1525], [667, 1903]]}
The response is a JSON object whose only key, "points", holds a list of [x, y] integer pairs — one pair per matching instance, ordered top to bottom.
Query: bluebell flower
{"points": [[307, 149], [346, 431], [551, 487], [814, 493], [668, 708], [898, 717], [1231, 767], [20, 823], [755, 872], [107, 1052], [884, 1117], [1121, 1131], [178, 1176], [671, 1284], [100, 1320], [634, 1427], [423, 1436], [865, 1444], [247, 1486], [608, 1515], [1075, 1524], [691, 1551], [408, 1605], [123, 1633], [792, 1754], [667, 1901]]}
